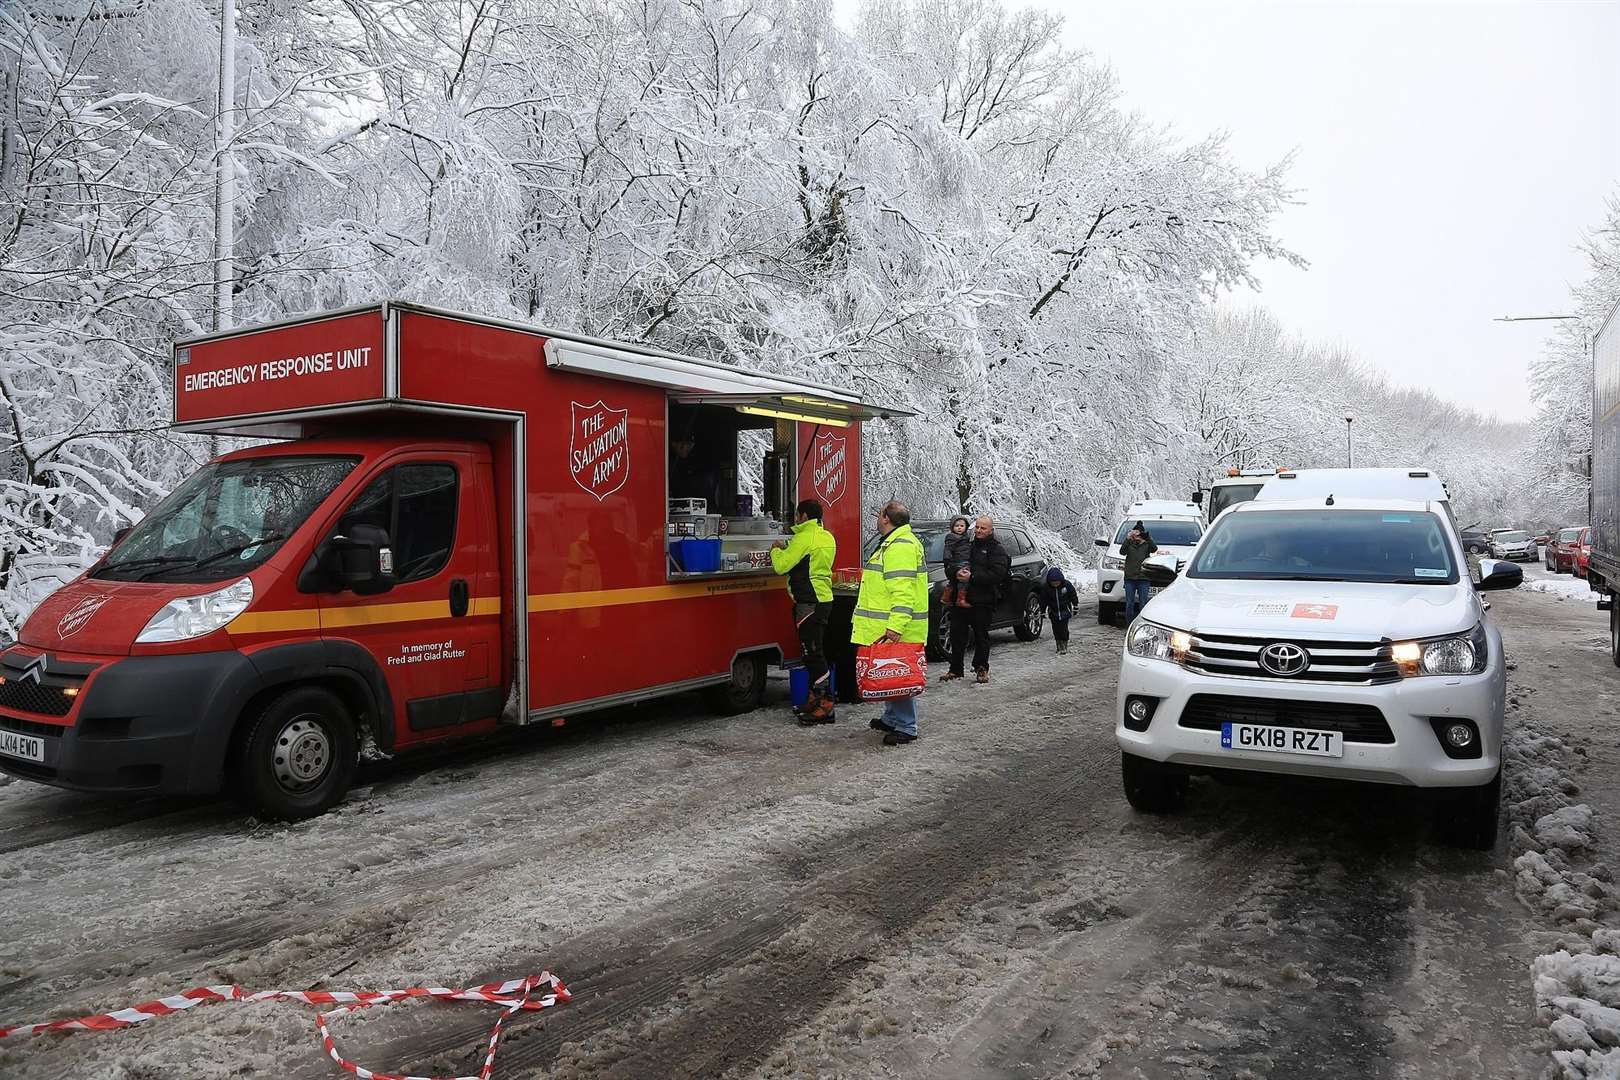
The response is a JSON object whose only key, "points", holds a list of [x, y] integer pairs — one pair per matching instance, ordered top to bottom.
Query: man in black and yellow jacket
{"points": [[807, 560]]}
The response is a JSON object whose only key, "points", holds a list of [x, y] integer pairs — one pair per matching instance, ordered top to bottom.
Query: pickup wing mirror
{"points": [[1198, 498], [1101, 541], [359, 559], [1161, 570], [1498, 574]]}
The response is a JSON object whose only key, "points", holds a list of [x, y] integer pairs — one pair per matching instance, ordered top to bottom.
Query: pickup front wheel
{"points": [[297, 756], [1150, 787], [1469, 816]]}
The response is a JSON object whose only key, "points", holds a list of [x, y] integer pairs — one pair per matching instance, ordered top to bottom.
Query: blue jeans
{"points": [[1136, 598], [900, 714]]}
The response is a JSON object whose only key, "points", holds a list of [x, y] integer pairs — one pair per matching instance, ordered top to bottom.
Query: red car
{"points": [[1563, 549], [1583, 553]]}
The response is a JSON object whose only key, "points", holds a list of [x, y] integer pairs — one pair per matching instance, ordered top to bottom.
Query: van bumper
{"points": [[144, 724], [1415, 758]]}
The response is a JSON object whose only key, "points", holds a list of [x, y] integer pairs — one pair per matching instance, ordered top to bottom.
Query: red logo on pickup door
{"points": [[599, 448], [829, 467], [78, 615]]}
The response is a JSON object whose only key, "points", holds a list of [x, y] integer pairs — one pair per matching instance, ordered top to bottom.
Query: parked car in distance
{"points": [[1475, 540], [1514, 544], [1561, 552], [1583, 552], [1019, 610]]}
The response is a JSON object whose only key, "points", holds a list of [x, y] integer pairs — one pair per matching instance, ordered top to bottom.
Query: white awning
{"points": [[693, 382]]}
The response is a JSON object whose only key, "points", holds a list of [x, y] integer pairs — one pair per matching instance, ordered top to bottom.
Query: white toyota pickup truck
{"points": [[1322, 638]]}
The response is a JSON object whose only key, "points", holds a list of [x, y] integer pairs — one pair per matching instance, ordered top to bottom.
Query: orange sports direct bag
{"points": [[890, 670]]}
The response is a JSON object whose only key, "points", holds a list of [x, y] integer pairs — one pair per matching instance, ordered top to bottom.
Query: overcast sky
{"points": [[1449, 157]]}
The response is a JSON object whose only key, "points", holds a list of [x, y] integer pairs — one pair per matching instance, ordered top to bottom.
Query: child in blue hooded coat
{"points": [[1060, 600]]}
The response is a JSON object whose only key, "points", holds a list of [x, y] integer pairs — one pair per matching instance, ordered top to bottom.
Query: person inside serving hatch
{"points": [[690, 477]]}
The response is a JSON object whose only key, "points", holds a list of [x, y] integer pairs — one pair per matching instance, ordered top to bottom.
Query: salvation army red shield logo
{"points": [[599, 448], [829, 467], [78, 615]]}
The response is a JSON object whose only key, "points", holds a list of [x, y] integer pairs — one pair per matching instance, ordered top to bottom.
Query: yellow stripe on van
{"points": [[650, 594], [294, 619]]}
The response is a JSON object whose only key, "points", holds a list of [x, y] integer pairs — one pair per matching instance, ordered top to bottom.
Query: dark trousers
{"points": [[812, 620], [974, 620], [1060, 627]]}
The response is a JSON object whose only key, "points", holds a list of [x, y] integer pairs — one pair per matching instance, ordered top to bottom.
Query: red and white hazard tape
{"points": [[515, 995]]}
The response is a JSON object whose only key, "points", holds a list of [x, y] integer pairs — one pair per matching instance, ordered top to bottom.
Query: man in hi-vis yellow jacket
{"points": [[893, 606]]}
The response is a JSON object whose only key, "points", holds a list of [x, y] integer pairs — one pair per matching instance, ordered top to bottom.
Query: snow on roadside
{"points": [[1570, 588], [1577, 987]]}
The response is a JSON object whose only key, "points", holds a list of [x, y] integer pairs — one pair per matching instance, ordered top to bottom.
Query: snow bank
{"points": [[1565, 588], [1577, 988]]}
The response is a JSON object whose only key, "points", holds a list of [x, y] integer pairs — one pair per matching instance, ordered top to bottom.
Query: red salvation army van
{"points": [[464, 522]]}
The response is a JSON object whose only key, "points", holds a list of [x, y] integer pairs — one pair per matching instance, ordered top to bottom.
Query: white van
{"points": [[1416, 484], [1175, 528], [1337, 638]]}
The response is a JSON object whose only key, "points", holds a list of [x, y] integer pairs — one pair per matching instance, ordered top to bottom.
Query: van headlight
{"points": [[1111, 563], [193, 616], [1154, 642], [1458, 654]]}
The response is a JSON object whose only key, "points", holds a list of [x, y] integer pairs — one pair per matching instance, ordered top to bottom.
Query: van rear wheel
{"points": [[744, 692], [298, 755]]}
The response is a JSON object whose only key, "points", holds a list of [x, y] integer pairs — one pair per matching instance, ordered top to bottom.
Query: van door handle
{"points": [[458, 597]]}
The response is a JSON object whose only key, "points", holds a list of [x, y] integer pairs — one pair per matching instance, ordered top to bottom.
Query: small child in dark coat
{"points": [[957, 544], [1060, 600]]}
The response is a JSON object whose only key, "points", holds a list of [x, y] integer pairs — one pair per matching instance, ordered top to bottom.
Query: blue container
{"points": [[700, 556], [799, 685]]}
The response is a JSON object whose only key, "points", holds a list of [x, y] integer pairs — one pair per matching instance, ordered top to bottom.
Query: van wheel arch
{"points": [[745, 691]]}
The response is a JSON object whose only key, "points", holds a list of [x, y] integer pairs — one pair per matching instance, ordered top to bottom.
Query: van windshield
{"points": [[227, 519], [1170, 532], [1408, 548]]}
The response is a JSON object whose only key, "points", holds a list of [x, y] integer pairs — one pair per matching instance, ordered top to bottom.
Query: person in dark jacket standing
{"points": [[1137, 547], [985, 576], [1059, 599]]}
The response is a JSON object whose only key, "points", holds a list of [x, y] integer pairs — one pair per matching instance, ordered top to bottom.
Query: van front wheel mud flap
{"points": [[297, 755]]}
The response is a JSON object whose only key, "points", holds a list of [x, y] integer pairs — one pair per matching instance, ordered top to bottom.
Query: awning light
{"points": [[785, 414]]}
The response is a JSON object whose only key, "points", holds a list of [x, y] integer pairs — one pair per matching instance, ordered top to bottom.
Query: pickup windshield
{"points": [[227, 519], [1170, 532], [1328, 545]]}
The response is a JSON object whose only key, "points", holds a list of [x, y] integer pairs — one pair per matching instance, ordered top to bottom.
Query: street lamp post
{"points": [[1349, 448]]}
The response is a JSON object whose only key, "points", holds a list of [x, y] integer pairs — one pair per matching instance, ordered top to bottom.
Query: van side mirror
{"points": [[1198, 497], [359, 559], [364, 560], [1498, 574]]}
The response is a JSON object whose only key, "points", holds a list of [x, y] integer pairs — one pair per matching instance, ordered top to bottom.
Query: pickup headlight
{"points": [[1111, 563], [194, 616], [1154, 642], [1458, 654]]}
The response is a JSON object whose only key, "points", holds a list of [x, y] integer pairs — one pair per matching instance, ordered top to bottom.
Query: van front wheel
{"points": [[298, 755]]}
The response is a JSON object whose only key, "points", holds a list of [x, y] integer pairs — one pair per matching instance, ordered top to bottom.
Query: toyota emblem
{"points": [[1284, 658]]}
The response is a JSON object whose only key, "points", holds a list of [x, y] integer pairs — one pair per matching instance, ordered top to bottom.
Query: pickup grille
{"points": [[1359, 663], [1357, 723]]}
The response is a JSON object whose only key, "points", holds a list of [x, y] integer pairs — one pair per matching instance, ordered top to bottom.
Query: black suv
{"points": [[1476, 540], [1019, 609]]}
